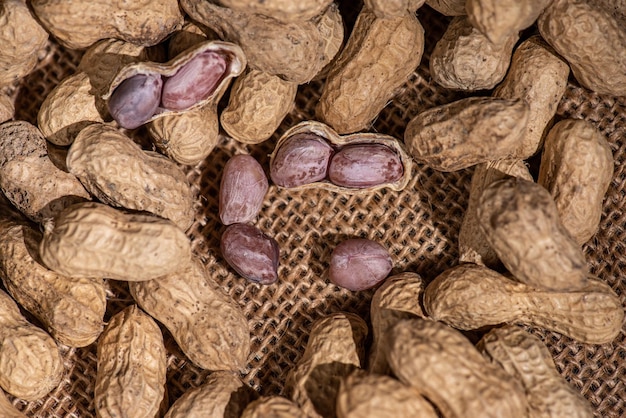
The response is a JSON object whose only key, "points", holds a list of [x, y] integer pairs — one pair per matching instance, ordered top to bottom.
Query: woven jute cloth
{"points": [[419, 226]]}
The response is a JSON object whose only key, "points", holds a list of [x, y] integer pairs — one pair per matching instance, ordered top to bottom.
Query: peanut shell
{"points": [[448, 7], [393, 8], [285, 10], [78, 25], [591, 39], [378, 58], [257, 105], [7, 107], [466, 132], [577, 169], [118, 172], [520, 221], [95, 240], [471, 297], [186, 302], [71, 309], [444, 366], [130, 379], [272, 407], [7, 409]]}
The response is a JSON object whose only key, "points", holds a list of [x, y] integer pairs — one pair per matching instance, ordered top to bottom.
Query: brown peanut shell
{"points": [[448, 7], [393, 8], [284, 10], [78, 25], [189, 36], [21, 38], [591, 39], [294, 51], [378, 58], [465, 59], [236, 63], [538, 76], [257, 105], [7, 107], [466, 132], [337, 141], [577, 169], [118, 172], [28, 177], [521, 223], [94, 240], [473, 246], [399, 297], [470, 297], [186, 303], [71, 309], [335, 348], [528, 360], [30, 361], [444, 366], [130, 378], [222, 395], [379, 396], [272, 407], [7, 409]]}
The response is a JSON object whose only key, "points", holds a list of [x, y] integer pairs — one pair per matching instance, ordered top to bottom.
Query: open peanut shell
{"points": [[235, 64], [337, 142]]}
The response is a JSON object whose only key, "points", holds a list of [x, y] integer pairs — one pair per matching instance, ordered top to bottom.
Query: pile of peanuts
{"points": [[109, 209]]}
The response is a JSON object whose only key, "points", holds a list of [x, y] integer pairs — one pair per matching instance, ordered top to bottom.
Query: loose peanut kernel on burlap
{"points": [[79, 24], [21, 38], [591, 39], [378, 58], [465, 59], [577, 168], [242, 190], [520, 221], [95, 240], [359, 264], [469, 297], [208, 325], [335, 348], [527, 359], [30, 361], [445, 367], [130, 377]]}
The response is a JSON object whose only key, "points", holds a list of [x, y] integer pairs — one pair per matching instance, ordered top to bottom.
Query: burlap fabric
{"points": [[419, 226]]}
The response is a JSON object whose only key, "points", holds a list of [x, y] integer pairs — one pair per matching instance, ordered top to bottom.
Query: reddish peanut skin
{"points": [[194, 82], [135, 100], [302, 159], [364, 166], [242, 190], [250, 253], [359, 264]]}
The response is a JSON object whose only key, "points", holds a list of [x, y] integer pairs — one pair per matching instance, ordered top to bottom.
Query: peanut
{"points": [[448, 7], [393, 8], [285, 10], [499, 20], [79, 24], [21, 38], [591, 39], [295, 51], [378, 58], [465, 59], [539, 77], [136, 99], [257, 105], [7, 107], [466, 132], [301, 159], [364, 166], [577, 168], [118, 172], [27, 176], [242, 190], [520, 221], [95, 240], [251, 253], [359, 264], [399, 297], [471, 297], [186, 302], [71, 309], [334, 350], [528, 360], [30, 361], [445, 367], [130, 379], [222, 395], [362, 395], [272, 407], [7, 409]]}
